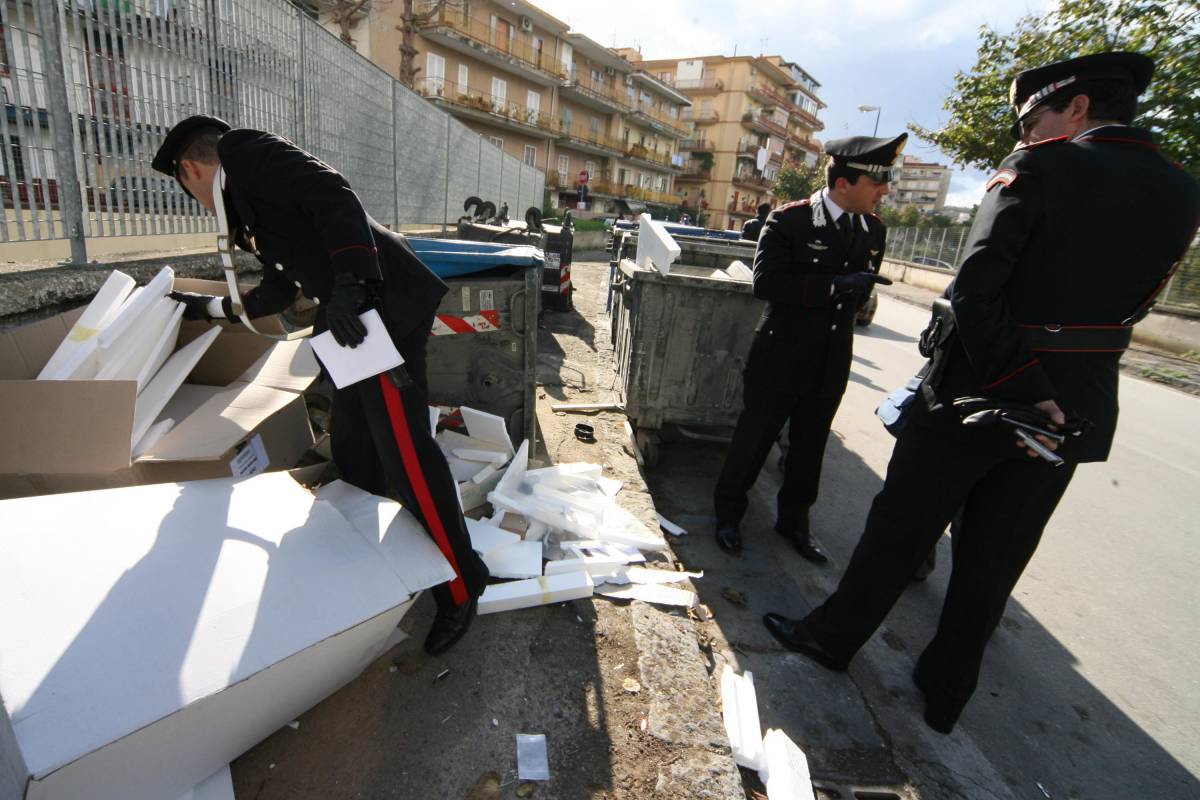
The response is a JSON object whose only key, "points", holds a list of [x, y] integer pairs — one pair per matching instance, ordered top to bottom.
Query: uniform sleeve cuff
{"points": [[359, 260]]}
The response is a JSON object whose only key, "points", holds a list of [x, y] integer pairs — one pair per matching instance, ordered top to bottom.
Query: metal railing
{"points": [[504, 41], [699, 85], [91, 89], [598, 90], [501, 109], [673, 124], [596, 137], [942, 248]]}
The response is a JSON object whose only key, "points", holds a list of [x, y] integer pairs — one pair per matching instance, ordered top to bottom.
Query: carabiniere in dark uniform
{"points": [[1075, 236], [815, 264]]}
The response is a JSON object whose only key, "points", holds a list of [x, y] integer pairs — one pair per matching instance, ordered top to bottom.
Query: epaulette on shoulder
{"points": [[1044, 142], [794, 204]]}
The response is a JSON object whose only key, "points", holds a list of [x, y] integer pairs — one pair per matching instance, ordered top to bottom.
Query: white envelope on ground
{"points": [[349, 365]]}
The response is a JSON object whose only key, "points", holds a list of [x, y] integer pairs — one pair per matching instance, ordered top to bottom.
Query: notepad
{"points": [[349, 365]]}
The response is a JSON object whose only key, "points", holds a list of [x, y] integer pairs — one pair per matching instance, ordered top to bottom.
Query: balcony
{"points": [[477, 38], [700, 86], [594, 94], [467, 103], [699, 116], [807, 117], [658, 120], [764, 123], [584, 138], [697, 145], [746, 147], [653, 158], [694, 174], [748, 178], [652, 196], [742, 209]]}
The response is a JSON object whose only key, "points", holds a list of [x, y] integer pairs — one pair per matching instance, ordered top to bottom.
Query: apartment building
{"points": [[554, 98], [749, 115], [922, 184]]}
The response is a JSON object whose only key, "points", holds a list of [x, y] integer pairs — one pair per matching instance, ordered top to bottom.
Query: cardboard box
{"points": [[240, 413], [152, 634]]}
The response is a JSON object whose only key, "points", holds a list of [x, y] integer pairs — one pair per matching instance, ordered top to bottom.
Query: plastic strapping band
{"points": [[225, 251]]}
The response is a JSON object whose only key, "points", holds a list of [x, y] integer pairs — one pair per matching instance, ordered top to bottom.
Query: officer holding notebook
{"points": [[302, 220]]}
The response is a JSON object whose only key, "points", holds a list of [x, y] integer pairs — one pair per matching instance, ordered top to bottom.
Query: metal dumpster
{"points": [[556, 241], [680, 342], [483, 353]]}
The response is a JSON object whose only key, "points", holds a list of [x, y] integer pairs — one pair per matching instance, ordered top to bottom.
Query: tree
{"points": [[1166, 30], [796, 181]]}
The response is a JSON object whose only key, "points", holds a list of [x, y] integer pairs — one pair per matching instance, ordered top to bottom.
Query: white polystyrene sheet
{"points": [[656, 249], [740, 272], [136, 306], [99, 312], [162, 349], [125, 357], [157, 393], [488, 427], [481, 456], [670, 527], [393, 532], [486, 537], [516, 560], [596, 566], [647, 576], [535, 592], [659, 595], [124, 606], [739, 709], [785, 768], [219, 786]]}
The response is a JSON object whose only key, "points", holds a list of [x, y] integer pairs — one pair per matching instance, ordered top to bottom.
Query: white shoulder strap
{"points": [[225, 251]]}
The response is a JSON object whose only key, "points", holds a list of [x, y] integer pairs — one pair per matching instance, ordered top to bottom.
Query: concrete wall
{"points": [[1177, 332]]}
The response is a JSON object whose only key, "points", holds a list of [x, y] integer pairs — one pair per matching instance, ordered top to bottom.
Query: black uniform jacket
{"points": [[301, 219], [752, 229], [1075, 232], [804, 340]]}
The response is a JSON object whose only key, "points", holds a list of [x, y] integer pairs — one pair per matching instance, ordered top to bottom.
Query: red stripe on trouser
{"points": [[416, 476]]}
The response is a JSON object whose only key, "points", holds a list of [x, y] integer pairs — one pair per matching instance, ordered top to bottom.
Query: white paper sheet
{"points": [[349, 365]]}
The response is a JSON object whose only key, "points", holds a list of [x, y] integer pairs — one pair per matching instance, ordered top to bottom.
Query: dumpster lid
{"points": [[631, 207], [449, 258]]}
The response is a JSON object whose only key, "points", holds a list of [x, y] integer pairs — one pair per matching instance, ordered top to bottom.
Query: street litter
{"points": [[586, 407], [670, 527], [486, 537], [517, 560], [646, 575], [535, 592], [660, 595], [734, 596], [152, 634], [441, 675], [631, 685], [739, 708], [532, 762], [785, 768]]}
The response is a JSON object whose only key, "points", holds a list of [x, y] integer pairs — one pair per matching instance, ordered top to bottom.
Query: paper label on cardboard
{"points": [[553, 260], [466, 298], [487, 300], [251, 459]]}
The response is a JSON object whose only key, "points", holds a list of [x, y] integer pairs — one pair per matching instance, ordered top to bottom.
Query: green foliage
{"points": [[1166, 30], [797, 181], [589, 224]]}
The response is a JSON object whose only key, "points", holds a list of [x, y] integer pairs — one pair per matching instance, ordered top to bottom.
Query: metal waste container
{"points": [[556, 242], [680, 342], [483, 351]]}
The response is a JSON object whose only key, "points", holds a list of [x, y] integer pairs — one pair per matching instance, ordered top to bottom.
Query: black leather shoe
{"points": [[729, 539], [805, 544], [448, 627], [791, 634], [938, 715]]}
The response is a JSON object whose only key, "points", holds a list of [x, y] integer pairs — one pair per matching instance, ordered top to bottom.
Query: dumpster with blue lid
{"points": [[483, 351]]}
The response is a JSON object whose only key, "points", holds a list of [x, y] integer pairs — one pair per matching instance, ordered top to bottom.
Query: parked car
{"points": [[931, 262]]}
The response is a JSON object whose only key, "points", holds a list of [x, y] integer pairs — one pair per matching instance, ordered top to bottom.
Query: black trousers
{"points": [[764, 412], [382, 443], [935, 469]]}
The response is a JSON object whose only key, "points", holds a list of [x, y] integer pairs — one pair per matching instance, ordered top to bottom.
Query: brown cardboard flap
{"points": [[26, 350], [226, 418], [91, 420]]}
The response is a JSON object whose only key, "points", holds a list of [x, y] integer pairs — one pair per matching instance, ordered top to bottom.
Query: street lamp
{"points": [[876, 109]]}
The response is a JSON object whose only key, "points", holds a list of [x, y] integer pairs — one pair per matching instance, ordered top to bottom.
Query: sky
{"points": [[900, 55]]}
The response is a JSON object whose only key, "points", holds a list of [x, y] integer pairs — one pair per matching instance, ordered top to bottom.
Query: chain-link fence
{"points": [[90, 87], [942, 248]]}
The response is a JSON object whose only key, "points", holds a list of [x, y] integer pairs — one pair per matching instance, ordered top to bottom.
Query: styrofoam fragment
{"points": [[655, 246], [740, 272], [136, 306], [74, 348], [162, 349], [124, 359], [153, 400], [489, 427], [483, 456], [484, 474], [610, 486], [670, 527], [536, 532], [486, 537], [517, 560], [598, 567], [646, 575], [535, 592], [660, 595], [739, 709], [785, 770]]}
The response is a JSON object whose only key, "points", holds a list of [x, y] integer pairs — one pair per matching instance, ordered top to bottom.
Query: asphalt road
{"points": [[1089, 687]]}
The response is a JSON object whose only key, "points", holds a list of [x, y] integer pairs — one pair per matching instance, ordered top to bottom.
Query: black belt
{"points": [[1077, 338]]}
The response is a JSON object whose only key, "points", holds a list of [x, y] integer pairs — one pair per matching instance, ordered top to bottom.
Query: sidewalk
{"points": [[1139, 360]]}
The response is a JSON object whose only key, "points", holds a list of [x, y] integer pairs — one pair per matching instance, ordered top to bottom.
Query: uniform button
{"points": [[814, 260], [846, 264], [279, 267], [298, 286], [316, 301], [839, 308], [833, 327]]}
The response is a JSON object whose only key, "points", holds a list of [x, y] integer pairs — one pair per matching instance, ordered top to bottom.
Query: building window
{"points": [[501, 33], [538, 44], [435, 73], [464, 78], [499, 92], [534, 101], [568, 117], [595, 126], [496, 140], [531, 155], [564, 164], [590, 168], [621, 176], [662, 184]]}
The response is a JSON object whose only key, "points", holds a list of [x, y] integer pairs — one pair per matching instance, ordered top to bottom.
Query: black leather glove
{"points": [[858, 282], [195, 306], [341, 314]]}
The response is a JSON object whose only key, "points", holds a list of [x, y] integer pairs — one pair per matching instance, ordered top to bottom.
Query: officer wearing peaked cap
{"points": [[301, 219], [1077, 233], [817, 261]]}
